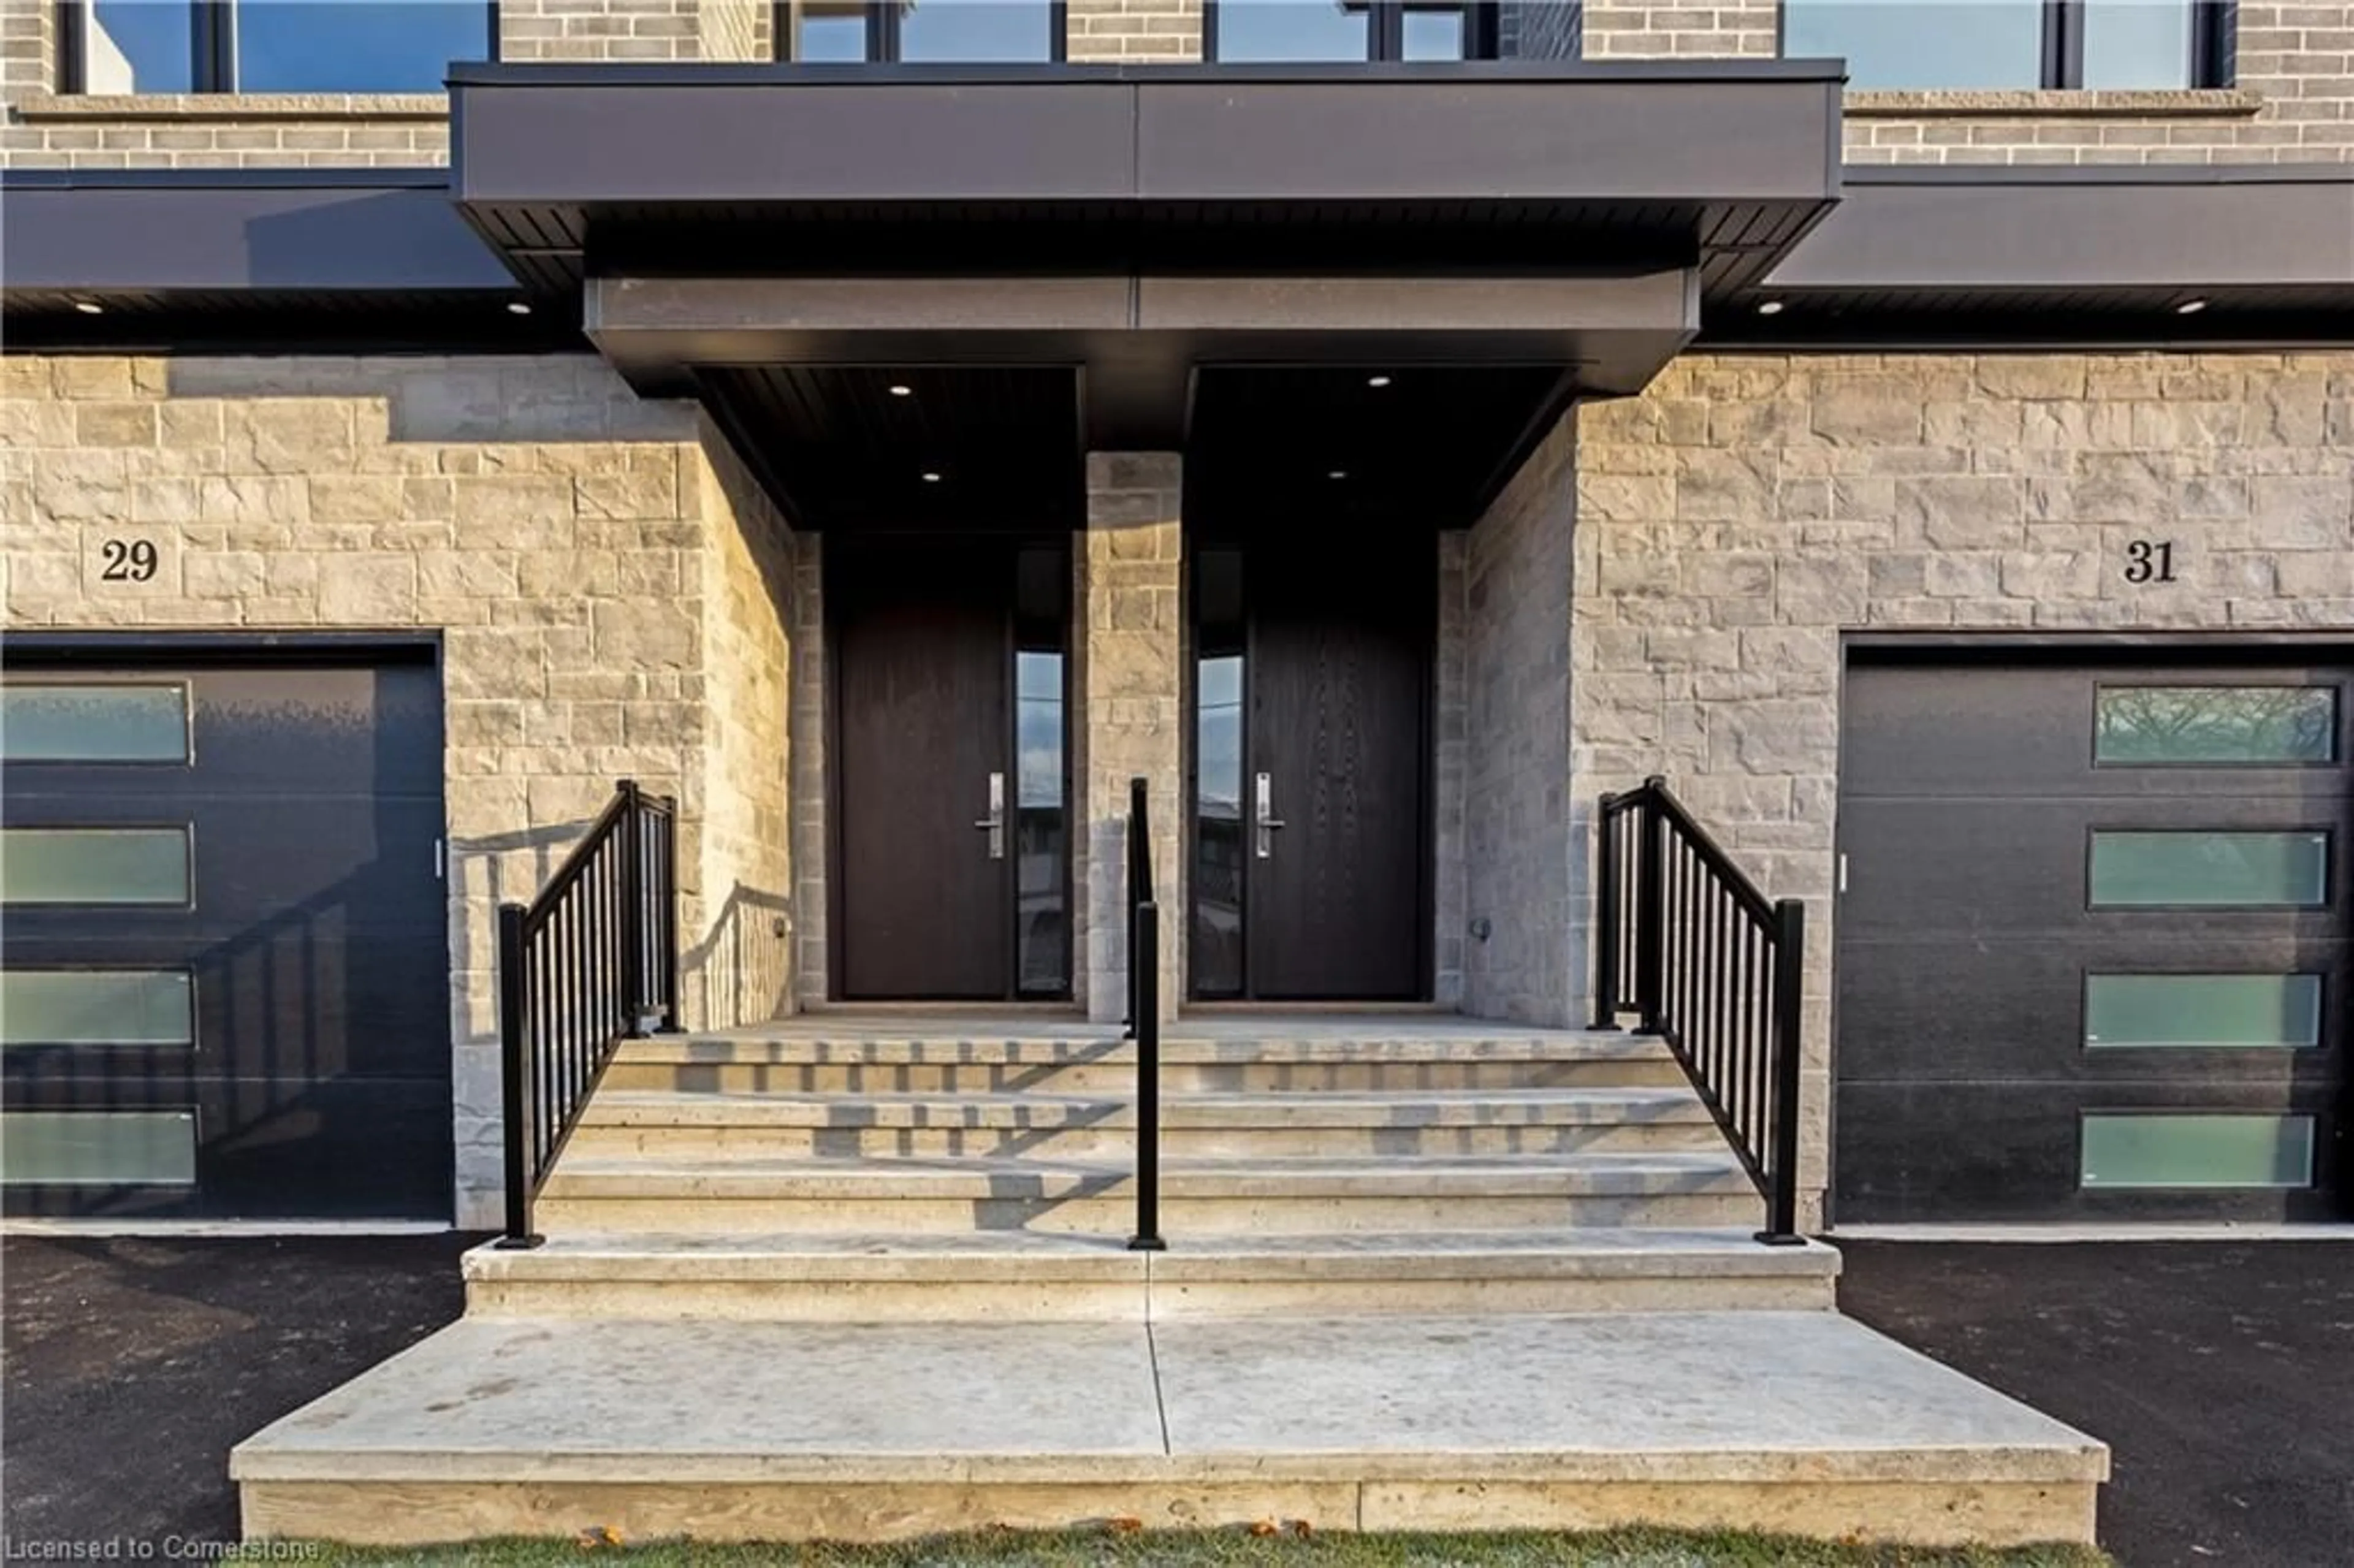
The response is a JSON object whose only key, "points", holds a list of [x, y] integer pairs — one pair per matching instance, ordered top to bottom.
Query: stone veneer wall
{"points": [[1134, 31], [1735, 518], [613, 595], [1521, 858]]}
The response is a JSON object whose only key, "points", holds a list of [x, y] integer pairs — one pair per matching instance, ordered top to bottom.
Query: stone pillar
{"points": [[1130, 646]]}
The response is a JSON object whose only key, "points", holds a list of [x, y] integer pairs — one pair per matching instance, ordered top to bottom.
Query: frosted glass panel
{"points": [[93, 724], [2216, 724], [93, 865], [2226, 869], [96, 1007], [2260, 1010], [100, 1148], [2143, 1150]]}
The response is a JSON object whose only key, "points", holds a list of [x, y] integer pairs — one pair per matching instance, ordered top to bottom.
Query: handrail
{"points": [[592, 961], [1706, 961], [1144, 1018]]}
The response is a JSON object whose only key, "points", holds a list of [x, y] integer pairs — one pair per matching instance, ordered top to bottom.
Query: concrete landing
{"points": [[1797, 1421]]}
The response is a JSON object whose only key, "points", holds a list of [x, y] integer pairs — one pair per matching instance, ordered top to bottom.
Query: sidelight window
{"points": [[1994, 44], [271, 46], [1041, 819]]}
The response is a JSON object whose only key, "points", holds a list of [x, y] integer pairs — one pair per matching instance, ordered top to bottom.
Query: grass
{"points": [[1232, 1549]]}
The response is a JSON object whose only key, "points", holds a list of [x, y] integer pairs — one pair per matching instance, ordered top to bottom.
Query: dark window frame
{"points": [[1385, 30], [883, 32], [212, 45], [2214, 46]]}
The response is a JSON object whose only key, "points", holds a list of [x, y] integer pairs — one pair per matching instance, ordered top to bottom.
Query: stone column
{"points": [[1130, 646]]}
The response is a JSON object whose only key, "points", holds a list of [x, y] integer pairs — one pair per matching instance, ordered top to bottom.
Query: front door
{"points": [[1312, 694], [949, 726]]}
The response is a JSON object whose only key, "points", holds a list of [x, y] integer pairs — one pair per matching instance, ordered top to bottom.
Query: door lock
{"points": [[1263, 818], [993, 824]]}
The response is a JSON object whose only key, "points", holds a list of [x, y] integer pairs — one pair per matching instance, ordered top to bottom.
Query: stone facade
{"points": [[1137, 32], [1736, 518], [614, 596]]}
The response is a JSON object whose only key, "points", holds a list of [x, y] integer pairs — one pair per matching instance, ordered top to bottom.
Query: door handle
{"points": [[1263, 818], [993, 824]]}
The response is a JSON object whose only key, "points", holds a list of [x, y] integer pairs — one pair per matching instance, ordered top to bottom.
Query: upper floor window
{"points": [[1312, 30], [936, 32], [2015, 44], [270, 46]]}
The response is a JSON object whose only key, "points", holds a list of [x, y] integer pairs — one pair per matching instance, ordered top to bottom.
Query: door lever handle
{"points": [[1264, 821], [993, 824]]}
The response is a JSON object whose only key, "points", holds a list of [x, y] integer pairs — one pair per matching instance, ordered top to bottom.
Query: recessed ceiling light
{"points": [[90, 307], [2189, 307], [517, 308], [1770, 308], [1377, 380], [901, 390], [1338, 474], [931, 476]]}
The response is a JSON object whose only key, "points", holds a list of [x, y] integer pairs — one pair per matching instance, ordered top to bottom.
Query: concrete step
{"points": [[809, 1059], [1334, 1123], [764, 1192], [1036, 1276], [1800, 1422]]}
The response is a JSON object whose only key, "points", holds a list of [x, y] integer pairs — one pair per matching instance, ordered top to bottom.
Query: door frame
{"points": [[839, 553], [1427, 774]]}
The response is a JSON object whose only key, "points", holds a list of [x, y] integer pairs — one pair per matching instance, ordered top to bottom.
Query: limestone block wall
{"points": [[1135, 31], [1733, 520], [613, 598]]}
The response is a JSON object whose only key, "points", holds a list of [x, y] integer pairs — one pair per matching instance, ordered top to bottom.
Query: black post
{"points": [[1609, 887], [666, 892], [1651, 902], [633, 910], [1789, 978], [1144, 985], [514, 1078]]}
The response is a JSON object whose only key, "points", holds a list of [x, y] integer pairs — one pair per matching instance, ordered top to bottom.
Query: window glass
{"points": [[828, 30], [1294, 30], [976, 31], [1435, 33], [1935, 43], [2137, 43], [138, 45], [356, 46], [2215, 723], [93, 724], [1039, 838], [93, 865], [2217, 869], [96, 1007], [2202, 1009], [102, 1149], [2154, 1150]]}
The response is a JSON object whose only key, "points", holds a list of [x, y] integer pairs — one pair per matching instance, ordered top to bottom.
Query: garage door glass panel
{"points": [[93, 724], [2181, 726], [94, 866], [2225, 870], [96, 1007], [2202, 1011], [98, 1149], [2150, 1150]]}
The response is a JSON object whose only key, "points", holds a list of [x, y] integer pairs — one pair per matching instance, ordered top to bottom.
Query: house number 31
{"points": [[2150, 561]]}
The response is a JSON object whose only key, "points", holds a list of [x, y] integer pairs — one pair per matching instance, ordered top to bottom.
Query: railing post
{"points": [[666, 893], [1651, 906], [1607, 913], [1144, 961], [632, 977], [1789, 979], [515, 1078]]}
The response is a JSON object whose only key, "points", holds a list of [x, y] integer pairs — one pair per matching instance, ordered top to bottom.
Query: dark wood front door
{"points": [[928, 636], [1329, 799]]}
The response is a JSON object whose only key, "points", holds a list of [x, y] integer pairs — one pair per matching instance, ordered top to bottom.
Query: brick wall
{"points": [[1646, 29], [1134, 30], [1732, 520], [613, 593]]}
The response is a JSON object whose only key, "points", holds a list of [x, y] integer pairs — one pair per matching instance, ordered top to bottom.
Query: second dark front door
{"points": [[1311, 692], [949, 701]]}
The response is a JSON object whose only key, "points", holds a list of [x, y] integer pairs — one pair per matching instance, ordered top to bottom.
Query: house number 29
{"points": [[127, 560], [2150, 561]]}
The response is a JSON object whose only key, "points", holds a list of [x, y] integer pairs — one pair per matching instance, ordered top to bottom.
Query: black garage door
{"points": [[2092, 944], [223, 958]]}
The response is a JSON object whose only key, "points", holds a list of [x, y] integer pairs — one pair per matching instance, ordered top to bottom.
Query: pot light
{"points": [[90, 307], [1771, 307], [2189, 307], [518, 308], [1377, 380], [901, 390], [1338, 474], [931, 476]]}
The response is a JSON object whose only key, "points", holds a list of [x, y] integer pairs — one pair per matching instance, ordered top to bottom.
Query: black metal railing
{"points": [[1688, 944], [590, 962], [1144, 1018]]}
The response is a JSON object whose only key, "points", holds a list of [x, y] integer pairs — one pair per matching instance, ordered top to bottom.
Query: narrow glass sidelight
{"points": [[1039, 823], [2209, 870], [2196, 1150]]}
